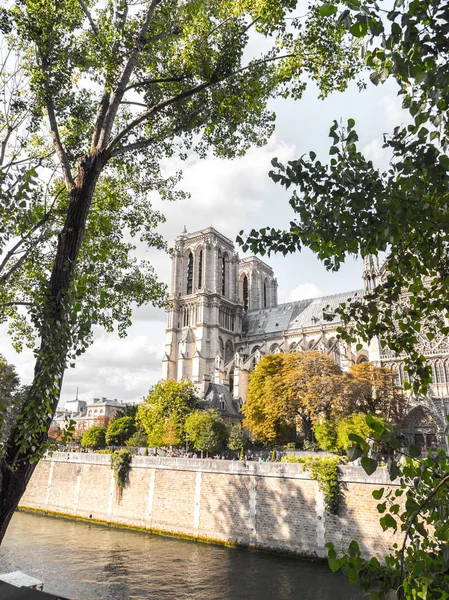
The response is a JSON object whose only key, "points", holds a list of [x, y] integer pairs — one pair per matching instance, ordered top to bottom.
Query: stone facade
{"points": [[224, 316], [271, 506]]}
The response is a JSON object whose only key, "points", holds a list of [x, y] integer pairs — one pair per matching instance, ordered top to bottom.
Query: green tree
{"points": [[121, 86], [348, 206], [11, 398], [130, 410], [163, 412], [206, 430], [119, 431], [326, 435], [94, 437], [138, 439], [238, 440], [418, 565]]}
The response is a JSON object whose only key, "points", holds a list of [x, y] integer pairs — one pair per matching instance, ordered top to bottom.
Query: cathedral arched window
{"points": [[200, 270], [190, 274], [224, 275], [245, 293], [265, 294], [229, 351], [446, 370], [438, 373], [403, 375]]}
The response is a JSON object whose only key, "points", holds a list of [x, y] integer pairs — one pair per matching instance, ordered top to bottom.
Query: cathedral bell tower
{"points": [[205, 313]]}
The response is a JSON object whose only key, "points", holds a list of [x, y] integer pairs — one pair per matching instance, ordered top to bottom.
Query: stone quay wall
{"points": [[267, 506]]}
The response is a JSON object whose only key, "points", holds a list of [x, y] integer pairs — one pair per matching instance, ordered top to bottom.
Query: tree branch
{"points": [[89, 16], [161, 36], [153, 81], [120, 90], [182, 96], [133, 103], [155, 109], [101, 113], [141, 144], [60, 151], [413, 518]]}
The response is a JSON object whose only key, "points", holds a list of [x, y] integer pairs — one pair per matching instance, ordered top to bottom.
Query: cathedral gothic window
{"points": [[200, 270], [190, 274], [223, 274], [245, 293], [265, 294]]}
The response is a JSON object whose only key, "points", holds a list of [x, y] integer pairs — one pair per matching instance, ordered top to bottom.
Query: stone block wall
{"points": [[270, 506]]}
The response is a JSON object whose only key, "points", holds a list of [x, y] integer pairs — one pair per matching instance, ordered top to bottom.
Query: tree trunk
{"points": [[29, 436]]}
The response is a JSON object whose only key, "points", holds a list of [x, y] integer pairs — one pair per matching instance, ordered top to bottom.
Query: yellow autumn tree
{"points": [[292, 391], [374, 391], [265, 411]]}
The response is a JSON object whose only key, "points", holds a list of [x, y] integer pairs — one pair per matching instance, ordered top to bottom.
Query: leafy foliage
{"points": [[113, 90], [348, 206], [303, 389], [11, 397], [130, 410], [163, 413], [206, 430], [119, 431], [334, 435], [94, 437], [139, 439], [238, 440], [121, 463], [325, 471], [418, 566]]}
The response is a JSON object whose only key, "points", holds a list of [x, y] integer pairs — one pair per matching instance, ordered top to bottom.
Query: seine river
{"points": [[82, 561]]}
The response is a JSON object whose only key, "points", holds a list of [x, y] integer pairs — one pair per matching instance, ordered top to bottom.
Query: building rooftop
{"points": [[294, 315]]}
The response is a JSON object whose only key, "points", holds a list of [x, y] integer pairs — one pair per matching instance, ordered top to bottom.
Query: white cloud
{"points": [[394, 113], [375, 152], [224, 193], [303, 291], [118, 368]]}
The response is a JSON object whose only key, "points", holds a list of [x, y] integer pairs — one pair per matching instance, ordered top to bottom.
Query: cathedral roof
{"points": [[293, 315], [217, 393]]}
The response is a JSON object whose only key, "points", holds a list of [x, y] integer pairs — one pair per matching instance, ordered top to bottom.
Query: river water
{"points": [[83, 561]]}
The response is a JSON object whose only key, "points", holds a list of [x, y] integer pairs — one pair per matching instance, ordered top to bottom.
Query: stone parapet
{"points": [[270, 506]]}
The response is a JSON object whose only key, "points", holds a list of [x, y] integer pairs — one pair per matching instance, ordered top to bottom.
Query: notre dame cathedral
{"points": [[224, 316]]}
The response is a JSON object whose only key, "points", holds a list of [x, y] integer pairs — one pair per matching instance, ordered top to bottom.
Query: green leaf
{"points": [[326, 10], [414, 451], [354, 453], [369, 465], [377, 494], [388, 522]]}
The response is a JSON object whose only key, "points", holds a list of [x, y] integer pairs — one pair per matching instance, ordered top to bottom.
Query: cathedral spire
{"points": [[370, 271]]}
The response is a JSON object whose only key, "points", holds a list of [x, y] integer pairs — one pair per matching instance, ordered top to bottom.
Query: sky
{"points": [[231, 195]]}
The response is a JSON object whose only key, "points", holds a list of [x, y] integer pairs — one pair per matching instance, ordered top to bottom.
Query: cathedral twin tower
{"points": [[211, 291]]}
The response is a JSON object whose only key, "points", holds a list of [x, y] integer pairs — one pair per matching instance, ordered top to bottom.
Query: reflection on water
{"points": [[86, 562]]}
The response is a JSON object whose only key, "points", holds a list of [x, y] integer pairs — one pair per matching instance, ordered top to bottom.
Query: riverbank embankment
{"points": [[267, 506]]}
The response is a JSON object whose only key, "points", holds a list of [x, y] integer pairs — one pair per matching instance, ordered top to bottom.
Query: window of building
{"points": [[200, 270], [190, 274], [223, 275], [245, 293], [265, 294]]}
